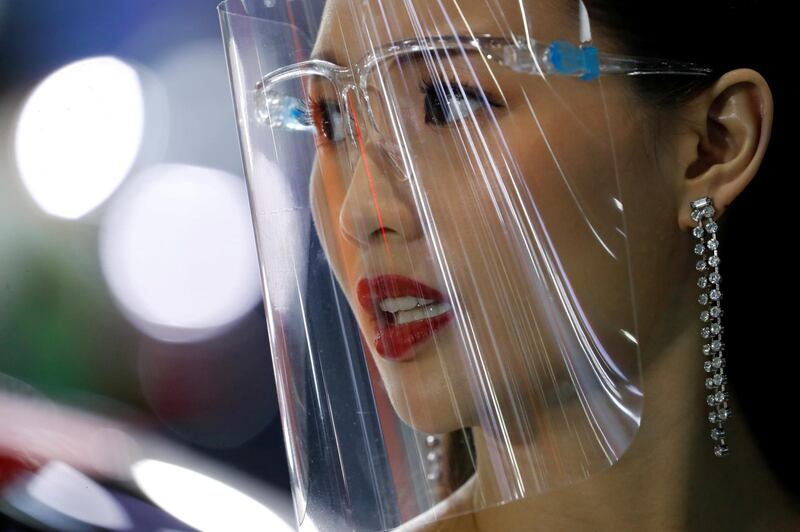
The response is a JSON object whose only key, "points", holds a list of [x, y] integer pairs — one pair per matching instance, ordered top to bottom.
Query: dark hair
{"points": [[724, 35]]}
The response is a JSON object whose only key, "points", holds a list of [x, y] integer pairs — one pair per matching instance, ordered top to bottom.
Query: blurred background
{"points": [[133, 345]]}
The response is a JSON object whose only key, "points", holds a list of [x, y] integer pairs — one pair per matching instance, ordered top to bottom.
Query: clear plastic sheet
{"points": [[440, 213]]}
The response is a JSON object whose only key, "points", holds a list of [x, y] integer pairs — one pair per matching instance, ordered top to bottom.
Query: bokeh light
{"points": [[78, 135], [178, 253], [63, 497], [201, 501]]}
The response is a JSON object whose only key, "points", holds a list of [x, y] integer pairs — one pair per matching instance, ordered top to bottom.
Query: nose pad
{"points": [[361, 129]]}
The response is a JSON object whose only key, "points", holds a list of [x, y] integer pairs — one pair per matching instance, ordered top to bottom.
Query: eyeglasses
{"points": [[391, 79]]}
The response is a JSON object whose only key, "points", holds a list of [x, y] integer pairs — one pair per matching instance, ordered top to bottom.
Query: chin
{"points": [[427, 396], [429, 416]]}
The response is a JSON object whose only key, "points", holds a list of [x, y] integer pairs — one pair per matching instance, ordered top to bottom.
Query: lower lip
{"points": [[394, 341]]}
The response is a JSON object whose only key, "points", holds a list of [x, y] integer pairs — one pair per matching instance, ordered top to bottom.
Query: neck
{"points": [[668, 478]]}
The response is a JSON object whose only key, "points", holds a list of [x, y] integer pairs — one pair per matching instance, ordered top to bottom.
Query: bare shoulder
{"points": [[451, 514]]}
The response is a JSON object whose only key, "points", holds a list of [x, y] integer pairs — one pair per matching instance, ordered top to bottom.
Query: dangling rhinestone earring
{"points": [[711, 316], [433, 457], [433, 460]]}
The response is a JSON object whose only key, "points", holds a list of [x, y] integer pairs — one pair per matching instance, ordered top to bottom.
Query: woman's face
{"points": [[509, 220]]}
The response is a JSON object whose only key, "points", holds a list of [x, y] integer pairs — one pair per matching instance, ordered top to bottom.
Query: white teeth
{"points": [[396, 304], [429, 311]]}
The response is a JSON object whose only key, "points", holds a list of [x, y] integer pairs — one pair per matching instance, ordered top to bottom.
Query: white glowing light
{"points": [[78, 135], [178, 253], [629, 336], [70, 492], [201, 501]]}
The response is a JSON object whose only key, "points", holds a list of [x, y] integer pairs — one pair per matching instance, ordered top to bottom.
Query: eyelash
{"points": [[470, 91], [316, 106], [315, 109]]}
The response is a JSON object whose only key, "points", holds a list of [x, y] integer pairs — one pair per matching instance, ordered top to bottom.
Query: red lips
{"points": [[373, 290], [391, 340]]}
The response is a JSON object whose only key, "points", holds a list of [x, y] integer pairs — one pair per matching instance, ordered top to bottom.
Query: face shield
{"points": [[440, 193]]}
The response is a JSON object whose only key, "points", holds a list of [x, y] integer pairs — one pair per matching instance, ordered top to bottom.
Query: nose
{"points": [[377, 205]]}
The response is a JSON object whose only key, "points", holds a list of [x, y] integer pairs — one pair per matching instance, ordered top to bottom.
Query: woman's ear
{"points": [[723, 140]]}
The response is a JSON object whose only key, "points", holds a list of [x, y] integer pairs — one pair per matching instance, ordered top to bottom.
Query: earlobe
{"points": [[732, 124]]}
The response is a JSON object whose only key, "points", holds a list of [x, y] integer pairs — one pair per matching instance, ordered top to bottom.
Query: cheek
{"points": [[530, 252]]}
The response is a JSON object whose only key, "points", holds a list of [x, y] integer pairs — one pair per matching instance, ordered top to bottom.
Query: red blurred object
{"points": [[11, 467]]}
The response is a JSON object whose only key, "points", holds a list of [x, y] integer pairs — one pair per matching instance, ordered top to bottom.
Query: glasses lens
{"points": [[430, 98], [308, 106]]}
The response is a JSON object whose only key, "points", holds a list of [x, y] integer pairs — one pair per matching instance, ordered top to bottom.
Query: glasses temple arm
{"points": [[564, 58]]}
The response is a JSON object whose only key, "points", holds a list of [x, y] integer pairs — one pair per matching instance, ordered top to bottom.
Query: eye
{"points": [[447, 105], [328, 119]]}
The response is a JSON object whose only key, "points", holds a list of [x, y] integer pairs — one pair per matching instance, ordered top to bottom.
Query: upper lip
{"points": [[371, 291]]}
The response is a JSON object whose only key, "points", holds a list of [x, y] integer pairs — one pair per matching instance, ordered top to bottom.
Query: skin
{"points": [[604, 140]]}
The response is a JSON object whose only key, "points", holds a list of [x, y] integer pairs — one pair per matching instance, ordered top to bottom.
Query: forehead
{"points": [[350, 28]]}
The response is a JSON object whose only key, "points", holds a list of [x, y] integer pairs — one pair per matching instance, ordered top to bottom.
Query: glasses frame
{"points": [[518, 53]]}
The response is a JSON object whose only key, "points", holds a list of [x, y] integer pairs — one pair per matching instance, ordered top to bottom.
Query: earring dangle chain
{"points": [[707, 248], [433, 457], [434, 467]]}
